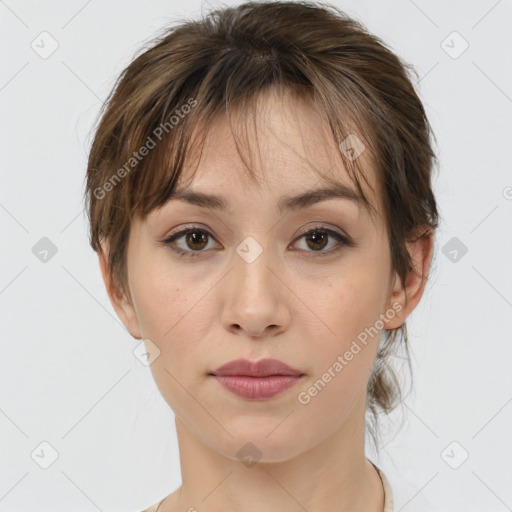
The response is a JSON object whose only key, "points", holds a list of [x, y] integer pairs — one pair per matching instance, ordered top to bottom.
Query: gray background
{"points": [[68, 375]]}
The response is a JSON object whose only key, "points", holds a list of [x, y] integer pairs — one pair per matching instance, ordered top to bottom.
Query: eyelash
{"points": [[342, 241]]}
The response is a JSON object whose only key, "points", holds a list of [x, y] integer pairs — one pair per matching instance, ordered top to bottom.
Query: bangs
{"points": [[180, 145]]}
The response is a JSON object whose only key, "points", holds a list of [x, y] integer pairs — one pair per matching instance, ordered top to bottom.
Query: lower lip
{"points": [[257, 388]]}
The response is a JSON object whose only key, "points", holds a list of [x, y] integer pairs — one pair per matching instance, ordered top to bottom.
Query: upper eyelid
{"points": [[306, 230], [330, 230]]}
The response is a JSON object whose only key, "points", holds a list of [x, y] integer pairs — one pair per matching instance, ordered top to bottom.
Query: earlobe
{"points": [[403, 300], [121, 304]]}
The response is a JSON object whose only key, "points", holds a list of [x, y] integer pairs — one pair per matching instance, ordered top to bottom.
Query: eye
{"points": [[193, 237], [318, 238], [195, 241]]}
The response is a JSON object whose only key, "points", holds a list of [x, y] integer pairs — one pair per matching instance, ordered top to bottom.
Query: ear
{"points": [[421, 254], [120, 302]]}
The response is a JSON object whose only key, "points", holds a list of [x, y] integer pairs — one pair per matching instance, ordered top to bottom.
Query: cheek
{"points": [[164, 299], [350, 306], [175, 312], [174, 316], [342, 366]]}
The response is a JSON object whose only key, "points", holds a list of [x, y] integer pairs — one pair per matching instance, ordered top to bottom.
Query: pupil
{"points": [[314, 236], [195, 238]]}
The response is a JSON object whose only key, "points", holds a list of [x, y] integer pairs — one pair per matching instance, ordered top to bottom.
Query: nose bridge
{"points": [[251, 267], [252, 275], [254, 301]]}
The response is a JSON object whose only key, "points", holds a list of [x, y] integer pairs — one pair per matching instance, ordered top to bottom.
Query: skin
{"points": [[289, 304]]}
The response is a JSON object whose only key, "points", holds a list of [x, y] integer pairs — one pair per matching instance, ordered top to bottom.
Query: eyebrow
{"points": [[286, 203]]}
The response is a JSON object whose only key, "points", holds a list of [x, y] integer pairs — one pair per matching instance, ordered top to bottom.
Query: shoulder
{"points": [[404, 482], [388, 492], [153, 508]]}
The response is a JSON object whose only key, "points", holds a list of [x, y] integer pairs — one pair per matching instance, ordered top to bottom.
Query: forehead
{"points": [[286, 142]]}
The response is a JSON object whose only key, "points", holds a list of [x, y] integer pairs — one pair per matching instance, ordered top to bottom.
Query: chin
{"points": [[251, 445]]}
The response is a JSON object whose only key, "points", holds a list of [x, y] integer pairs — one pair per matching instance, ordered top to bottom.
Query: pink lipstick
{"points": [[257, 380]]}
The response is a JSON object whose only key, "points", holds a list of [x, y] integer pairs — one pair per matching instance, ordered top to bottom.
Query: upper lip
{"points": [[261, 368]]}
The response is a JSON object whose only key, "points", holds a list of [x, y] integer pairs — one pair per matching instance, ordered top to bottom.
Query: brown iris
{"points": [[196, 237], [319, 239]]}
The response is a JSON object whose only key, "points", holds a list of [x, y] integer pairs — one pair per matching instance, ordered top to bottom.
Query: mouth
{"points": [[262, 368], [257, 380], [257, 388]]}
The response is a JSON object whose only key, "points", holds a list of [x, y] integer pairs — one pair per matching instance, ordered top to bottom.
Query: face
{"points": [[254, 281]]}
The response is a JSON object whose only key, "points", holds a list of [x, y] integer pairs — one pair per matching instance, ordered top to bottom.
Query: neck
{"points": [[334, 475]]}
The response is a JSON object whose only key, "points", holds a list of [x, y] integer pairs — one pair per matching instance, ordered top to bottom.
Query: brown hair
{"points": [[198, 69]]}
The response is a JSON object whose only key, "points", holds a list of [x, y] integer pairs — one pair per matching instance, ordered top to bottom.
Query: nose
{"points": [[255, 302]]}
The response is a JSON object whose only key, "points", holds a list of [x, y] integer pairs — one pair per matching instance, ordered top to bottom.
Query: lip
{"points": [[262, 368], [257, 380]]}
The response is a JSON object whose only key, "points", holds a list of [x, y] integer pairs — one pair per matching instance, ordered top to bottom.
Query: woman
{"points": [[259, 195]]}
